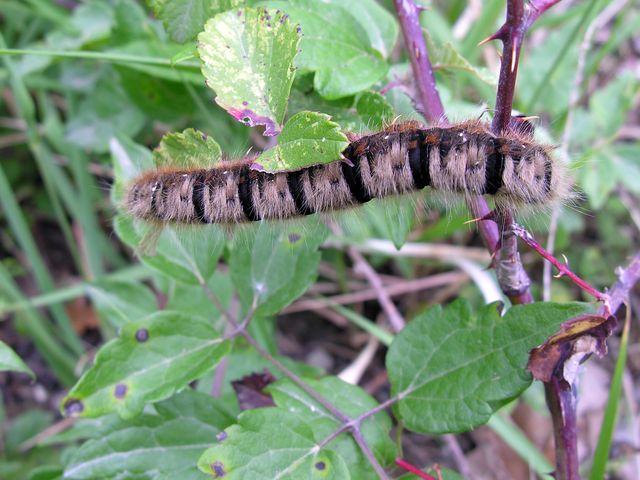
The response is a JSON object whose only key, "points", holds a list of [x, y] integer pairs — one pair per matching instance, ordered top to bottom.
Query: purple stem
{"points": [[428, 97]]}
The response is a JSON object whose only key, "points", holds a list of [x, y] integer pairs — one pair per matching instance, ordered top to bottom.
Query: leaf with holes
{"points": [[247, 57], [344, 63], [308, 138], [187, 149], [274, 264], [149, 361], [11, 362], [453, 368], [281, 442], [161, 444]]}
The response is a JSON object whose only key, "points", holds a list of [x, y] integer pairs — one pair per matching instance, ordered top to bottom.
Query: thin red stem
{"points": [[563, 268], [413, 469]]}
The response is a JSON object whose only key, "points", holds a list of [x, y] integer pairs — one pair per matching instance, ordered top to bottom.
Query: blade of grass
{"points": [[103, 56], [26, 110], [136, 272], [364, 323], [40, 332], [520, 444], [601, 455]]}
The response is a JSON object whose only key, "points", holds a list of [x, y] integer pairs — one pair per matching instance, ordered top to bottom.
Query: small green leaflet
{"points": [[183, 19], [247, 57], [344, 64], [308, 138], [188, 149], [274, 264], [150, 360], [11, 362], [453, 368], [281, 442], [162, 443]]}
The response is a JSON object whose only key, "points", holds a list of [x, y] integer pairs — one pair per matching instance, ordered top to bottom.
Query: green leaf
{"points": [[184, 19], [336, 46], [446, 58], [247, 59], [609, 106], [374, 110], [100, 117], [308, 138], [188, 149], [604, 168], [392, 217], [187, 255], [273, 265], [121, 302], [149, 361], [11, 362], [453, 369], [351, 400], [282, 441], [270, 443], [164, 444]]}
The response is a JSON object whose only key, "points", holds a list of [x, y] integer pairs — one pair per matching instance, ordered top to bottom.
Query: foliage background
{"points": [[67, 283]]}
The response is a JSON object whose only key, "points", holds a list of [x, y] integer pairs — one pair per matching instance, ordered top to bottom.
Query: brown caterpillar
{"points": [[403, 158]]}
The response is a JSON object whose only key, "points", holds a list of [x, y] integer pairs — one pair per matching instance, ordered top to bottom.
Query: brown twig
{"points": [[361, 265]]}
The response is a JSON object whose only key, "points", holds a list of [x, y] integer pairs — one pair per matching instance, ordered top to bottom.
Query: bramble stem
{"points": [[429, 99], [563, 268], [413, 469]]}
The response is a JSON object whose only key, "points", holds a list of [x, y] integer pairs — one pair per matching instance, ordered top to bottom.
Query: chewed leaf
{"points": [[247, 57], [308, 138], [187, 149], [149, 361], [453, 368]]}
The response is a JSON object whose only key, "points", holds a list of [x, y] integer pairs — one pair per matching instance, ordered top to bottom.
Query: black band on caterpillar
{"points": [[464, 158], [245, 193]]}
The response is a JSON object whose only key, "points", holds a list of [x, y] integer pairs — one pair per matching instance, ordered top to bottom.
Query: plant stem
{"points": [[103, 56], [429, 99]]}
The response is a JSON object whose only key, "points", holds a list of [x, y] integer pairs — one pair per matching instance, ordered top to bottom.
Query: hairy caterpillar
{"points": [[464, 158]]}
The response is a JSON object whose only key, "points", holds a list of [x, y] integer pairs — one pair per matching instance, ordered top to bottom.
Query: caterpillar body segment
{"points": [[464, 158]]}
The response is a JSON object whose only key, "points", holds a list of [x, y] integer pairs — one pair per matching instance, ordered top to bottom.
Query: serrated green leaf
{"points": [[184, 19], [247, 57], [345, 63], [308, 138], [187, 149], [187, 255], [274, 264], [120, 301], [150, 360], [11, 362], [453, 368], [282, 442], [165, 444]]}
